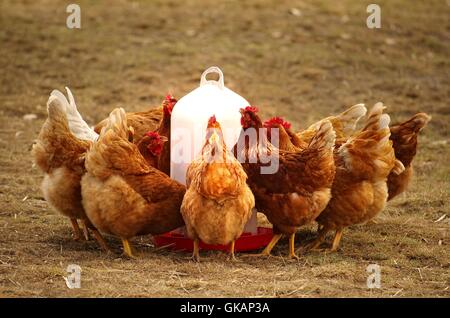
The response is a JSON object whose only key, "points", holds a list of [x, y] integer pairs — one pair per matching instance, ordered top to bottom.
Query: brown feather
{"points": [[141, 122], [404, 137], [60, 155], [363, 162], [300, 189], [122, 194], [218, 202]]}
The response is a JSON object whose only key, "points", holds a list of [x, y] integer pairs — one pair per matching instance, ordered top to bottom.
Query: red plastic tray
{"points": [[247, 241]]}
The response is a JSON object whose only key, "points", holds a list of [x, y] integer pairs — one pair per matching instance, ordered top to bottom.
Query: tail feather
{"points": [[55, 94], [57, 115], [350, 118], [420, 120], [373, 121], [384, 121], [117, 122], [76, 123], [413, 125], [325, 136], [404, 137], [56, 145], [113, 153], [369, 153], [398, 168]]}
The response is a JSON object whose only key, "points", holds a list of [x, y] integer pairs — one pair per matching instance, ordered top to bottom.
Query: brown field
{"points": [[303, 67]]}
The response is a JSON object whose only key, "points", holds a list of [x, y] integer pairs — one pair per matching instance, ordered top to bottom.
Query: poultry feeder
{"points": [[188, 129], [246, 242]]}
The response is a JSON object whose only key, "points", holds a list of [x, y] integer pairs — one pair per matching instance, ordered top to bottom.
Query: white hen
{"points": [[77, 125]]}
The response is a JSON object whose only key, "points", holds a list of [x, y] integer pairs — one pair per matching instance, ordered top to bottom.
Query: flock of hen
{"points": [[114, 178]]}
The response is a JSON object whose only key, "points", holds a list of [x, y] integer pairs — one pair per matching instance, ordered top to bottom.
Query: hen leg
{"points": [[76, 229], [85, 230], [320, 238], [337, 239], [100, 240], [269, 247], [292, 247], [127, 249], [196, 251], [232, 257]]}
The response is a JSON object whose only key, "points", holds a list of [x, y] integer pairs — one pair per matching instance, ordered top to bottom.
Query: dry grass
{"points": [[131, 53]]}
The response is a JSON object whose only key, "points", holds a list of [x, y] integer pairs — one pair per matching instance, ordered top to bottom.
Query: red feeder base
{"points": [[247, 241]]}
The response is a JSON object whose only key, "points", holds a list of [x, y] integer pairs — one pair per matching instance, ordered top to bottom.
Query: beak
{"points": [[130, 134], [214, 137], [164, 139]]}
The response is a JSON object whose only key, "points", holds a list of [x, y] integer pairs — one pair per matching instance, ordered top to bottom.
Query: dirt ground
{"points": [[301, 60]]}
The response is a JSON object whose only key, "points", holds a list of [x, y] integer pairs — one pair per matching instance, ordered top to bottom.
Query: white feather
{"points": [[351, 117], [384, 121], [77, 125]]}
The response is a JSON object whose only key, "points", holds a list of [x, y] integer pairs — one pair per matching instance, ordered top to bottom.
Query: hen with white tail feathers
{"points": [[77, 125], [60, 155]]}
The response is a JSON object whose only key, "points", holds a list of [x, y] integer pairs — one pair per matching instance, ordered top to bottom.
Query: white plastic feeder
{"points": [[189, 122]]}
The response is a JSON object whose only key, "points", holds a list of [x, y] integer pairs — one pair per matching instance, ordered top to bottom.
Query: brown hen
{"points": [[141, 122], [151, 147], [60, 155], [301, 186], [359, 189], [122, 194], [218, 202]]}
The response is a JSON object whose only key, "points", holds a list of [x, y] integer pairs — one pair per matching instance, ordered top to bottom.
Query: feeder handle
{"points": [[212, 69]]}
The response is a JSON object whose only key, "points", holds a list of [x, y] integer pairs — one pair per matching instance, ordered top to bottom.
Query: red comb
{"points": [[169, 98], [168, 104], [252, 109], [212, 120], [277, 121], [152, 134]]}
